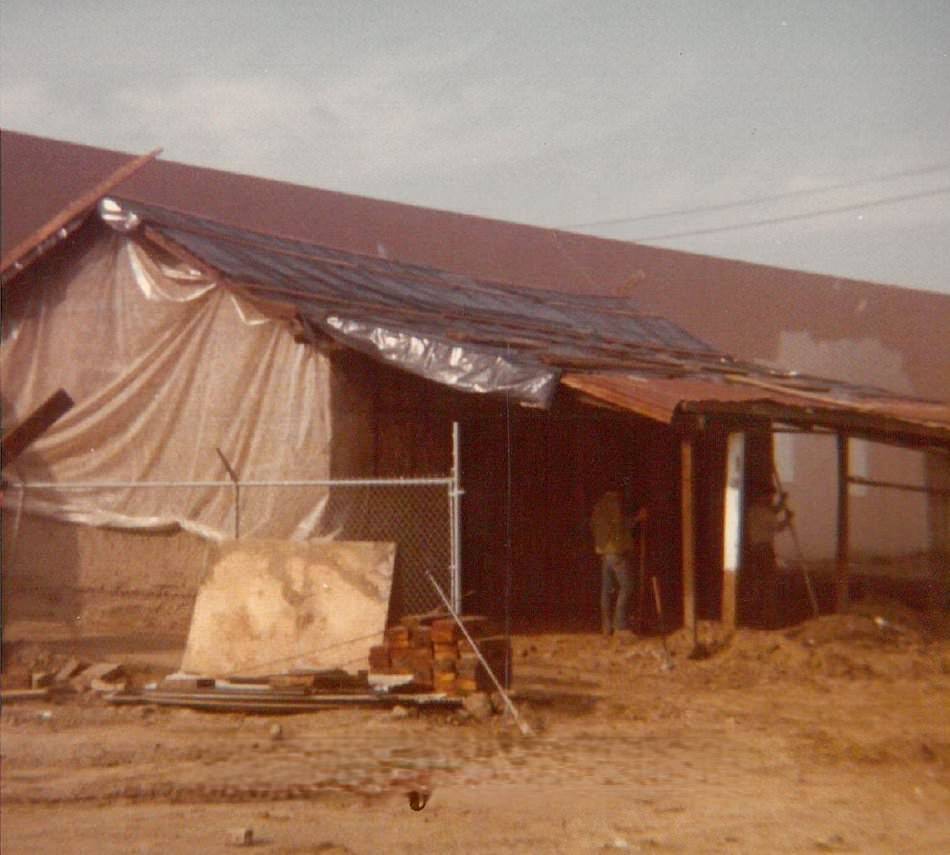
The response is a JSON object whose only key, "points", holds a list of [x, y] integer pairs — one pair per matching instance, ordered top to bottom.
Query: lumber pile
{"points": [[434, 650]]}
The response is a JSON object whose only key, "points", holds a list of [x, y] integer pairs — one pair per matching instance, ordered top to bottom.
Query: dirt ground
{"points": [[831, 736]]}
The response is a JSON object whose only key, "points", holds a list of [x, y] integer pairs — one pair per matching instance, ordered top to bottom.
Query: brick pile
{"points": [[433, 649]]}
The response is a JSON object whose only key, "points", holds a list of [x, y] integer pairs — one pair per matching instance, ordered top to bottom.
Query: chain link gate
{"points": [[421, 516]]}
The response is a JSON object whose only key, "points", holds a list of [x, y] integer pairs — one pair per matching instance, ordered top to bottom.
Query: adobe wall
{"points": [[99, 581]]}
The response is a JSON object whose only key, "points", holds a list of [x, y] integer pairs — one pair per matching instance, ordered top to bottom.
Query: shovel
{"points": [[658, 602]]}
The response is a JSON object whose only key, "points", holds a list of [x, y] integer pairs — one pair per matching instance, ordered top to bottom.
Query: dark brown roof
{"points": [[737, 307]]}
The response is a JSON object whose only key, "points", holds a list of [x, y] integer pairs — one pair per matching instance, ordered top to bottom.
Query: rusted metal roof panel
{"points": [[651, 397], [842, 407]]}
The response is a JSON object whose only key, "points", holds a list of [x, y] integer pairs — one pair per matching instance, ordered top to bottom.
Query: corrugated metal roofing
{"points": [[837, 407]]}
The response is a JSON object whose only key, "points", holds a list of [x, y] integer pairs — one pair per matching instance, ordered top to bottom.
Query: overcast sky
{"points": [[540, 111]]}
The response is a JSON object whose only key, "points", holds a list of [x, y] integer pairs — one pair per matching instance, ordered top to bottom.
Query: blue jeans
{"points": [[615, 577]]}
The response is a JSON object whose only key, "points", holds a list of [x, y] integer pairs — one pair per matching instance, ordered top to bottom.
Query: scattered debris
{"points": [[886, 626], [69, 670], [101, 677], [41, 679], [185, 682], [105, 686], [9, 696], [479, 706], [276, 732], [418, 799], [241, 837], [834, 843]]}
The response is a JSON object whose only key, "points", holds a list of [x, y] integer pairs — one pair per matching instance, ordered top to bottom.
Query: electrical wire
{"points": [[757, 200], [790, 218]]}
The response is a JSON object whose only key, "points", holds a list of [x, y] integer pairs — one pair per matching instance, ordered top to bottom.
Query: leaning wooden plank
{"points": [[24, 252], [19, 438], [9, 696]]}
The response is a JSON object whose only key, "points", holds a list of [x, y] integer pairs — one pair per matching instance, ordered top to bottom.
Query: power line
{"points": [[757, 200], [771, 221]]}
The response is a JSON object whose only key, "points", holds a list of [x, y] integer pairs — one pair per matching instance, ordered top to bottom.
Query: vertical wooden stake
{"points": [[687, 525], [732, 526], [841, 562], [642, 578]]}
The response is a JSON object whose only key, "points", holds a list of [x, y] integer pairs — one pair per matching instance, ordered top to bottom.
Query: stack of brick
{"points": [[434, 650]]}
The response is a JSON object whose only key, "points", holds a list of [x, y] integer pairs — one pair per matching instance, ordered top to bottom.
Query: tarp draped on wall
{"points": [[165, 367]]}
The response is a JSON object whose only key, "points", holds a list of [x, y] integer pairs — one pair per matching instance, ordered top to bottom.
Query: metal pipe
{"points": [[128, 485], [893, 485], [455, 506], [523, 726]]}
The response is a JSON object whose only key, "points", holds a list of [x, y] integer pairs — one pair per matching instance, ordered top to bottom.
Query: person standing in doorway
{"points": [[766, 515], [613, 540]]}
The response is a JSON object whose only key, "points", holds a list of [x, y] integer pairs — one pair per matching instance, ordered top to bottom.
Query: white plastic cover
{"points": [[165, 368]]}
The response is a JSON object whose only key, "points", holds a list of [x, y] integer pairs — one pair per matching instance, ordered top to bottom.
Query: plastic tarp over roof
{"points": [[474, 335], [484, 336]]}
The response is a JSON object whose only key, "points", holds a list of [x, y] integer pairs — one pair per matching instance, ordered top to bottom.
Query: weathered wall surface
{"points": [[885, 523], [99, 580]]}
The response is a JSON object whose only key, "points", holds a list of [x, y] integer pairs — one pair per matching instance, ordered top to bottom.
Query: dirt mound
{"points": [[883, 640]]}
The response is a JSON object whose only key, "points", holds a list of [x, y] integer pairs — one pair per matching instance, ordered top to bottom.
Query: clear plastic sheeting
{"points": [[119, 218], [166, 367], [466, 368]]}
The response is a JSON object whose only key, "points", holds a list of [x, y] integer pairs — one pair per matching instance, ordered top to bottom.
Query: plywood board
{"points": [[270, 606]]}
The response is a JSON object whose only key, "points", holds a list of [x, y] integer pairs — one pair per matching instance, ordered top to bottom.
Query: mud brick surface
{"points": [[425, 619], [444, 631], [397, 636], [420, 636], [445, 651], [421, 657], [379, 658], [400, 658], [467, 665], [443, 666], [423, 675], [445, 682], [465, 685]]}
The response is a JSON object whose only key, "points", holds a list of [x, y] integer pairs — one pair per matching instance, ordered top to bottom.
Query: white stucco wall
{"points": [[885, 523]]}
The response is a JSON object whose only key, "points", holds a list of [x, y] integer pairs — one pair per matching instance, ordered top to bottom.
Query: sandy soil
{"points": [[832, 736]]}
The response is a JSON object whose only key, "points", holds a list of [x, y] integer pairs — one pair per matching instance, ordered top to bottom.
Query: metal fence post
{"points": [[237, 493], [455, 532]]}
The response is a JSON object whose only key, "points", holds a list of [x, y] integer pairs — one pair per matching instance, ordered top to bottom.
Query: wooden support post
{"points": [[938, 523], [688, 526], [732, 526], [841, 562]]}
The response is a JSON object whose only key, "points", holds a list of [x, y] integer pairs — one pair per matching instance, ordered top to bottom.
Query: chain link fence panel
{"points": [[416, 517]]}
